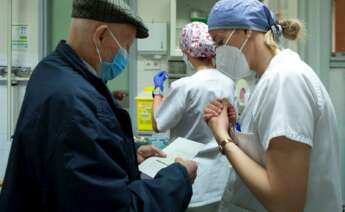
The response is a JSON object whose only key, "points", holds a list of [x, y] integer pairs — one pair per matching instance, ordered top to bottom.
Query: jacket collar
{"points": [[73, 59]]}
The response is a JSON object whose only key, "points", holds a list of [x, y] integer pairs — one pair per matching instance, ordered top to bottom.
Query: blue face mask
{"points": [[110, 71]]}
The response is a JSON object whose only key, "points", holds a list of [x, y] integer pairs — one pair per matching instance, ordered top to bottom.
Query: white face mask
{"points": [[231, 61], [188, 63]]}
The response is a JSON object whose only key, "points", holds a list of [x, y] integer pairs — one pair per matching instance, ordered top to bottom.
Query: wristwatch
{"points": [[157, 92], [222, 145]]}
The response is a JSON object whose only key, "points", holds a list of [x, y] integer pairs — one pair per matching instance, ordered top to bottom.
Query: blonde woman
{"points": [[295, 165]]}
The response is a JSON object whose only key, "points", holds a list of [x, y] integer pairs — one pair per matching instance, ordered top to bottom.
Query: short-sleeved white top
{"points": [[290, 100], [182, 113]]}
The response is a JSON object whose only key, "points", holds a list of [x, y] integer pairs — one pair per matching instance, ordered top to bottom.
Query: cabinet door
{"points": [[182, 13]]}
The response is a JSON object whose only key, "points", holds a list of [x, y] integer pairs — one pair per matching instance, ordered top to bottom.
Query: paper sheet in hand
{"points": [[180, 147]]}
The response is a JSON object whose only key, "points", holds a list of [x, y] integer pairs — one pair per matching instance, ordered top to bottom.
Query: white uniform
{"points": [[290, 100], [182, 113]]}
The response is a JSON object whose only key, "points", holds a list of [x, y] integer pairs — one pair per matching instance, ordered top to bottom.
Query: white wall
{"points": [[160, 12], [336, 90]]}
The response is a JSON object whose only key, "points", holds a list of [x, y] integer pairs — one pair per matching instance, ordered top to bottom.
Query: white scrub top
{"points": [[290, 100], [182, 113]]}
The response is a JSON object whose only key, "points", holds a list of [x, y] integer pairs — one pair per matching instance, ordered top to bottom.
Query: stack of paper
{"points": [[181, 147]]}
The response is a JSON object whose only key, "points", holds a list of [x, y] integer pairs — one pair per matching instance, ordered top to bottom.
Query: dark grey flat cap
{"points": [[110, 11]]}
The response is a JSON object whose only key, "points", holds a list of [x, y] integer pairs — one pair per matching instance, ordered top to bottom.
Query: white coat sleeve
{"points": [[286, 109], [171, 110]]}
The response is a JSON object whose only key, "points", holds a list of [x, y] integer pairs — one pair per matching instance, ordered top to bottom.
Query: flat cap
{"points": [[109, 11]]}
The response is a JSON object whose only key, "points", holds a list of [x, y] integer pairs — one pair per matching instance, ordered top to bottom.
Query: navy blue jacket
{"points": [[73, 149]]}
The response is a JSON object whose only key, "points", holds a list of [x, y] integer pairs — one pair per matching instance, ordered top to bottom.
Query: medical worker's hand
{"points": [[159, 79], [215, 108], [232, 114], [220, 124], [146, 151], [191, 167]]}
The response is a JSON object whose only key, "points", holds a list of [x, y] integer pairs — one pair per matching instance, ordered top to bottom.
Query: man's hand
{"points": [[119, 95], [147, 151], [191, 167]]}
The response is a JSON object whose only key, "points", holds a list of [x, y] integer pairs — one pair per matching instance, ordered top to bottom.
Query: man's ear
{"points": [[98, 36]]}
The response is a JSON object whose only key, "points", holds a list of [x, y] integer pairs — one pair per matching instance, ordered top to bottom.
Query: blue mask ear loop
{"points": [[115, 39], [99, 54], [100, 58]]}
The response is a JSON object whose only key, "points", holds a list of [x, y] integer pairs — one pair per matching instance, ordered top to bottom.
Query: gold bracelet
{"points": [[222, 145]]}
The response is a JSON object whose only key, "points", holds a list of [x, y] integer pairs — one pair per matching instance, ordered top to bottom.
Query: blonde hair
{"points": [[292, 30]]}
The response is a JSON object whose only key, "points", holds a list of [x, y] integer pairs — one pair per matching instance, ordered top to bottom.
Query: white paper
{"points": [[180, 147]]}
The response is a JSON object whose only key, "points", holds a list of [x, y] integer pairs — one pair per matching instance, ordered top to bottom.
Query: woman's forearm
{"points": [[157, 101], [251, 173], [260, 182]]}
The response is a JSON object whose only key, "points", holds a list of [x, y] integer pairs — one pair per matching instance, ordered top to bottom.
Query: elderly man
{"points": [[73, 148]]}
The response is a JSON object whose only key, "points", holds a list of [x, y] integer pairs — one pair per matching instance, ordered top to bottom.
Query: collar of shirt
{"points": [[90, 68]]}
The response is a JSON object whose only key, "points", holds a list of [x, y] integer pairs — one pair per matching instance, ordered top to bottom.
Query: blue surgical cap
{"points": [[241, 14]]}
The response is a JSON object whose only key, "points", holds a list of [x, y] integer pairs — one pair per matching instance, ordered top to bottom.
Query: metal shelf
{"points": [[21, 79], [24, 79]]}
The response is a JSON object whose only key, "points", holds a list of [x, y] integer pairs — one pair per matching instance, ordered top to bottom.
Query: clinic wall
{"points": [[161, 13], [60, 20], [316, 50], [336, 91]]}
